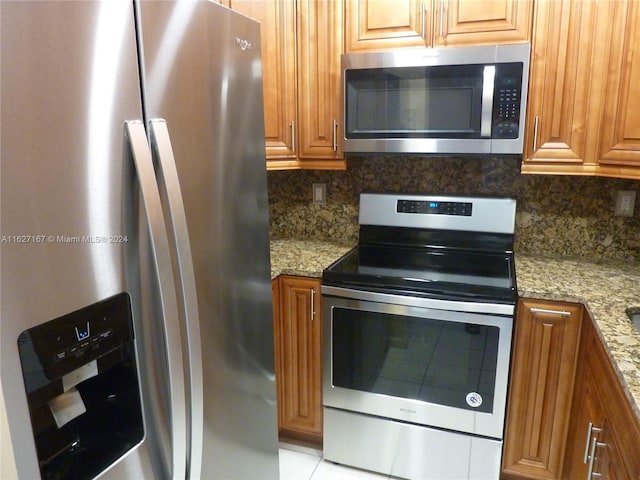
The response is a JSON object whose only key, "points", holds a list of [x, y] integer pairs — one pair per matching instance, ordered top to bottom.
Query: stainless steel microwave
{"points": [[455, 100]]}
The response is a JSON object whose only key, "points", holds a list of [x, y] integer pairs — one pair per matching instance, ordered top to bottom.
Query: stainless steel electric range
{"points": [[418, 321]]}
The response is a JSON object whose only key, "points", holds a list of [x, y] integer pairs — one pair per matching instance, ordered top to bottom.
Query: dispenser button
{"points": [[106, 333]]}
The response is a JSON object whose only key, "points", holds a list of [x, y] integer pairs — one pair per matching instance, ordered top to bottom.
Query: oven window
{"points": [[414, 102], [441, 362]]}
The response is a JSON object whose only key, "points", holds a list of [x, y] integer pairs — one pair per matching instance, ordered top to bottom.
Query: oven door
{"points": [[388, 356]]}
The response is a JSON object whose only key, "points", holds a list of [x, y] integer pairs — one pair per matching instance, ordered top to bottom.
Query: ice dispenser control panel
{"points": [[80, 376]]}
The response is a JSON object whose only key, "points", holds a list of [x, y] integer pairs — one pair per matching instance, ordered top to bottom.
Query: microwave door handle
{"points": [[487, 100]]}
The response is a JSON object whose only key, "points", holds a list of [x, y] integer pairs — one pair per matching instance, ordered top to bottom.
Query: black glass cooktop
{"points": [[435, 272]]}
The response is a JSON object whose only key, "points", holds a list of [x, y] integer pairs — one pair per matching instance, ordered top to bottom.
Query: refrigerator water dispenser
{"points": [[81, 380]]}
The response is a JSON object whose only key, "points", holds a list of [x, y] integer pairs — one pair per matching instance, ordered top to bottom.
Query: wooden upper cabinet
{"points": [[487, 22], [384, 24], [277, 32], [562, 44], [301, 47], [319, 92], [584, 102], [620, 144], [547, 338]]}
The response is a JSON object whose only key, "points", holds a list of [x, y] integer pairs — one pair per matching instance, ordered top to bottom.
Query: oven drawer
{"points": [[407, 451]]}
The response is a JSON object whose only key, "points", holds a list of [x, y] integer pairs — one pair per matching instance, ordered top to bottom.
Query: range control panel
{"points": [[434, 207], [438, 212]]}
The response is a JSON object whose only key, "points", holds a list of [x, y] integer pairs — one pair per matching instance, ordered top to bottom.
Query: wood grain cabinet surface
{"points": [[384, 24], [301, 48], [583, 112], [298, 347], [545, 350], [568, 415], [604, 442]]}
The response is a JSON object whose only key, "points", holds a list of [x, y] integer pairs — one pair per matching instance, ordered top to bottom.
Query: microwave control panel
{"points": [[506, 100]]}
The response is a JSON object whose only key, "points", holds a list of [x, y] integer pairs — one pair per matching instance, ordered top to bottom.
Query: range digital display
{"points": [[434, 207]]}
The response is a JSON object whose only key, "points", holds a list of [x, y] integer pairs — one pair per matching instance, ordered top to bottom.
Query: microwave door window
{"points": [[414, 102]]}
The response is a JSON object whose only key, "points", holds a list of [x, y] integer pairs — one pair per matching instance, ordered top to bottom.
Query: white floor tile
{"points": [[297, 465], [331, 471]]}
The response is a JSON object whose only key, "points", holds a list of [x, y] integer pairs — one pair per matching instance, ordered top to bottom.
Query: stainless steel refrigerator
{"points": [[136, 318]]}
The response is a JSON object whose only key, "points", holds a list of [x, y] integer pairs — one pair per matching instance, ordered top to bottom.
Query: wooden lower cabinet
{"points": [[547, 336], [298, 347], [568, 415], [605, 433]]}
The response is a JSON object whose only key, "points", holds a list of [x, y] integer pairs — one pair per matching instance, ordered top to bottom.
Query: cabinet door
{"points": [[489, 22], [383, 24], [277, 35], [559, 86], [319, 91], [583, 113], [620, 145], [300, 333], [542, 379], [600, 401], [588, 426]]}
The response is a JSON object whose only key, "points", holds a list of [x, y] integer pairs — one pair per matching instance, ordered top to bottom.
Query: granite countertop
{"points": [[305, 258], [605, 288]]}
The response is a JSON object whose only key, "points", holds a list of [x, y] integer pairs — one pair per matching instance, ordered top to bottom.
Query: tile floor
{"points": [[307, 464]]}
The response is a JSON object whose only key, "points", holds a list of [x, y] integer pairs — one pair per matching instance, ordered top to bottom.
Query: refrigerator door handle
{"points": [[136, 135], [161, 146]]}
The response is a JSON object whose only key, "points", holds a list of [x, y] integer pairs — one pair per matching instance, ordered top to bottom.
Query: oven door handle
{"points": [[487, 100]]}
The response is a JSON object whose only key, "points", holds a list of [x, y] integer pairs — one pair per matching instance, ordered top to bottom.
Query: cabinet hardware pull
{"points": [[441, 18], [424, 21], [535, 134], [335, 135], [293, 136], [313, 301], [552, 312], [590, 429], [595, 443]]}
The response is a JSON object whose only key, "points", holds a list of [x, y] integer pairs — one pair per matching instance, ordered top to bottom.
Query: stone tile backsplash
{"points": [[556, 215]]}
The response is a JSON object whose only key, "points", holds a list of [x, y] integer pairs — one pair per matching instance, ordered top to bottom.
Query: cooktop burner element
{"points": [[443, 247]]}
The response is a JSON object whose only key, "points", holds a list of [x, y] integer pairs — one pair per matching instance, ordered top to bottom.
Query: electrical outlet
{"points": [[319, 194], [625, 203]]}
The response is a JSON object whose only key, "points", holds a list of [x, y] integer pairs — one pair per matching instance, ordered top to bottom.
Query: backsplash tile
{"points": [[556, 215]]}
